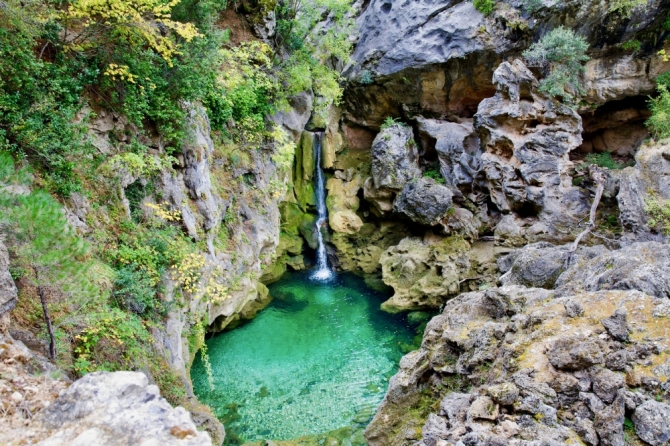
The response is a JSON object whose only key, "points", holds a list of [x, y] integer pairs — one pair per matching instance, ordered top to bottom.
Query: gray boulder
{"points": [[394, 158], [424, 201], [540, 264], [640, 266], [8, 293], [574, 353], [113, 409], [609, 422], [652, 422]]}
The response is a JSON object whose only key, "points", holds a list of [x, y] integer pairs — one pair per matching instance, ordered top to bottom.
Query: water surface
{"points": [[317, 359]]}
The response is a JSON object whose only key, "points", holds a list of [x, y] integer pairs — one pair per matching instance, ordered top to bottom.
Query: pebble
{"points": [[17, 397]]}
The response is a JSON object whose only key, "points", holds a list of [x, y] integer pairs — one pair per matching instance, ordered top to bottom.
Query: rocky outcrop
{"points": [[528, 137], [394, 158], [648, 180], [343, 202], [424, 202], [640, 266], [424, 272], [8, 292], [512, 365], [118, 408]]}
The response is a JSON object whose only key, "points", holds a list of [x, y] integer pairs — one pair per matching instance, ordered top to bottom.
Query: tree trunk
{"points": [[598, 177], [47, 318]]}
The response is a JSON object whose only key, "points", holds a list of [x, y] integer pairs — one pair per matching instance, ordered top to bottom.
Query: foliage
{"points": [[532, 5], [484, 6], [625, 7], [632, 45], [313, 49], [562, 52], [366, 77], [390, 122], [659, 122], [604, 160], [435, 174], [659, 213]]}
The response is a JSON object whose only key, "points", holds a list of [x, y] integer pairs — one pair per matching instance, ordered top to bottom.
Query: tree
{"points": [[562, 53], [42, 240]]}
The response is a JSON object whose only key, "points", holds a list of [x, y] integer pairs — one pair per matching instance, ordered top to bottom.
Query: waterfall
{"points": [[322, 271]]}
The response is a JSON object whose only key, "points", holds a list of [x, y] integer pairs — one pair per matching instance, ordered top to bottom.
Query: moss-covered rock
{"points": [[304, 171], [424, 272]]}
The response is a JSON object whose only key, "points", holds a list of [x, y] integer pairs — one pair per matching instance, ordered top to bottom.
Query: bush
{"points": [[484, 6], [625, 7], [632, 45], [562, 53], [390, 122], [659, 122], [604, 160], [435, 174], [659, 213]]}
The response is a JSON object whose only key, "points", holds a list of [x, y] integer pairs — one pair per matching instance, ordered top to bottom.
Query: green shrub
{"points": [[532, 5], [484, 6], [625, 7], [632, 45], [562, 52], [366, 77], [390, 122], [659, 122], [604, 160], [435, 174], [659, 213]]}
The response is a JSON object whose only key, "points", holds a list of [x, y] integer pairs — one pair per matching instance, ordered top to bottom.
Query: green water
{"points": [[317, 359]]}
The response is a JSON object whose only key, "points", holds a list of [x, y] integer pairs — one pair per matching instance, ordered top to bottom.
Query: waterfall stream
{"points": [[322, 271]]}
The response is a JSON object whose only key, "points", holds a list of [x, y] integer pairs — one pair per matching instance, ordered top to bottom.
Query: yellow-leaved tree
{"points": [[139, 22]]}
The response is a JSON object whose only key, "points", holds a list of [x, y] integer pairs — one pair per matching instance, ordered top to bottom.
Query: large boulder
{"points": [[528, 138], [394, 158], [424, 201], [343, 202], [540, 264], [640, 266], [424, 272], [119, 408], [652, 422]]}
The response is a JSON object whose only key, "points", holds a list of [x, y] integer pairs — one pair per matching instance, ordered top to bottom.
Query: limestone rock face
{"points": [[528, 138], [394, 158], [648, 179], [424, 201], [343, 202], [640, 266], [424, 272], [8, 292], [508, 364], [118, 408]]}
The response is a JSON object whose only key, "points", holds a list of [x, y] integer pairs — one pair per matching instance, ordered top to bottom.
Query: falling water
{"points": [[322, 271]]}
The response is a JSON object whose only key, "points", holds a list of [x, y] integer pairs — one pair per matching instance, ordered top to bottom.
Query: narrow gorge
{"points": [[335, 222]]}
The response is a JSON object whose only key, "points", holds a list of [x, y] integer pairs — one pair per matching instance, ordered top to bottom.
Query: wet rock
{"points": [[394, 158], [424, 201], [639, 266], [8, 292], [617, 326], [574, 353], [116, 409], [609, 422], [652, 424]]}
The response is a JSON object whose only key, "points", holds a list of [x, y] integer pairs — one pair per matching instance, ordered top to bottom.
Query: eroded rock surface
{"points": [[8, 292], [513, 366], [119, 408]]}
